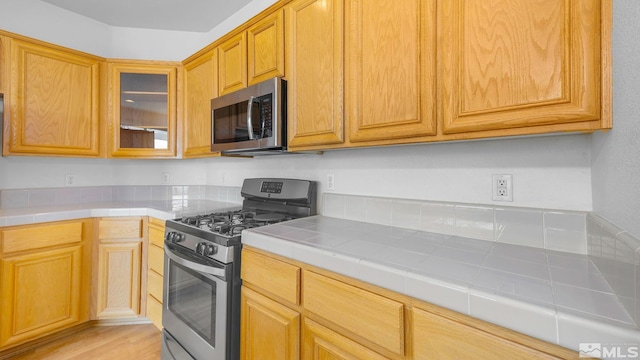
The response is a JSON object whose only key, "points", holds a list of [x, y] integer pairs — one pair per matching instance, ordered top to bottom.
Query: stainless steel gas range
{"points": [[201, 307]]}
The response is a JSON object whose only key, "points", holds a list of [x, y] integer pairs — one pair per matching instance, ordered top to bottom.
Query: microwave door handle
{"points": [[249, 119], [192, 265]]}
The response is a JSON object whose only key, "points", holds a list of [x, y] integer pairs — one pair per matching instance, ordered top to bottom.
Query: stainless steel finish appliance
{"points": [[251, 120], [201, 308]]}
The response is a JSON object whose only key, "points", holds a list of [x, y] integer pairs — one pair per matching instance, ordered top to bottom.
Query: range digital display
{"points": [[271, 187]]}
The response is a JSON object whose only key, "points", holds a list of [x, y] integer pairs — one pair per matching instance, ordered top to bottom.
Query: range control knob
{"points": [[174, 237], [201, 248], [210, 249]]}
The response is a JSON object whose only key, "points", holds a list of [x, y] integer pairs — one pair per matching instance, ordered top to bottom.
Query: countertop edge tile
{"points": [[438, 292], [540, 321], [573, 330]]}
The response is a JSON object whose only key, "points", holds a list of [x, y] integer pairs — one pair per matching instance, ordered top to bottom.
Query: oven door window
{"points": [[192, 298]]}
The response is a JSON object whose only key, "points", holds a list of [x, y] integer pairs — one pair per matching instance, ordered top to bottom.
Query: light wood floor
{"points": [[123, 342]]}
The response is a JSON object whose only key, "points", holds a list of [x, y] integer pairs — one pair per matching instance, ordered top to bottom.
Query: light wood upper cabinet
{"points": [[314, 41], [265, 46], [252, 56], [232, 62], [507, 64], [390, 69], [201, 85], [52, 101], [143, 109], [44, 279]]}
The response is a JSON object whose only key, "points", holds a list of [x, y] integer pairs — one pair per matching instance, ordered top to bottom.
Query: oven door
{"points": [[196, 296]]}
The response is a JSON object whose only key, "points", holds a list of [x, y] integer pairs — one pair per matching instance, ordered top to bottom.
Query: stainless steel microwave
{"points": [[251, 120]]}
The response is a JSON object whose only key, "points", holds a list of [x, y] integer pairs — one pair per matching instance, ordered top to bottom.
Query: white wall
{"points": [[43, 21], [46, 22], [616, 155], [20, 172], [548, 172]]}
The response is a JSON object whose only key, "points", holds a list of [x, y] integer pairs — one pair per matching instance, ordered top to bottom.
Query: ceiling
{"points": [[175, 15]]}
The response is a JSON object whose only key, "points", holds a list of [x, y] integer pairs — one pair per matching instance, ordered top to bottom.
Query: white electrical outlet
{"points": [[165, 178], [69, 180], [331, 182], [502, 187]]}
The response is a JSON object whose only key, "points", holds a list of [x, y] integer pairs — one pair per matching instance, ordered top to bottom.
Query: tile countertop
{"points": [[160, 209], [554, 296]]}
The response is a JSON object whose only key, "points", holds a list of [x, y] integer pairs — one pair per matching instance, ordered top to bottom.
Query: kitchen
{"points": [[595, 172]]}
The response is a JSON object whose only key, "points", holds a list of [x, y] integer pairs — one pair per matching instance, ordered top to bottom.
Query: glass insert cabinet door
{"points": [[144, 110]]}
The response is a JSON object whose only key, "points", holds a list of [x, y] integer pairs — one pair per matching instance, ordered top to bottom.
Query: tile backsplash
{"points": [[178, 195], [549, 229], [614, 253], [617, 255]]}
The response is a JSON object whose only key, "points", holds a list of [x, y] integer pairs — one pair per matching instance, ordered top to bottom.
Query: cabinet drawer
{"points": [[119, 228], [156, 235], [39, 236], [156, 259], [274, 276], [154, 285], [154, 311], [371, 316], [441, 338]]}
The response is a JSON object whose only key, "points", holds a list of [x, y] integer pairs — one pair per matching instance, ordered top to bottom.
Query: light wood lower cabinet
{"points": [[119, 268], [155, 271], [44, 279], [342, 318], [375, 320], [269, 329], [438, 337], [321, 343]]}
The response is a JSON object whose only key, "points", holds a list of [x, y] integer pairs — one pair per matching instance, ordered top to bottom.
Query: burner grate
{"points": [[231, 223]]}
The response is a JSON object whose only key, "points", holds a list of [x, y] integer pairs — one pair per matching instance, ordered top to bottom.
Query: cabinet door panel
{"points": [[266, 49], [232, 61], [509, 64], [390, 69], [315, 71], [201, 85], [54, 102], [144, 109], [119, 279], [41, 292], [269, 330]]}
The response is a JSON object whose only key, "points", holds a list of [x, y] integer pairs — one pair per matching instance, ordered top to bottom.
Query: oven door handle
{"points": [[194, 265]]}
